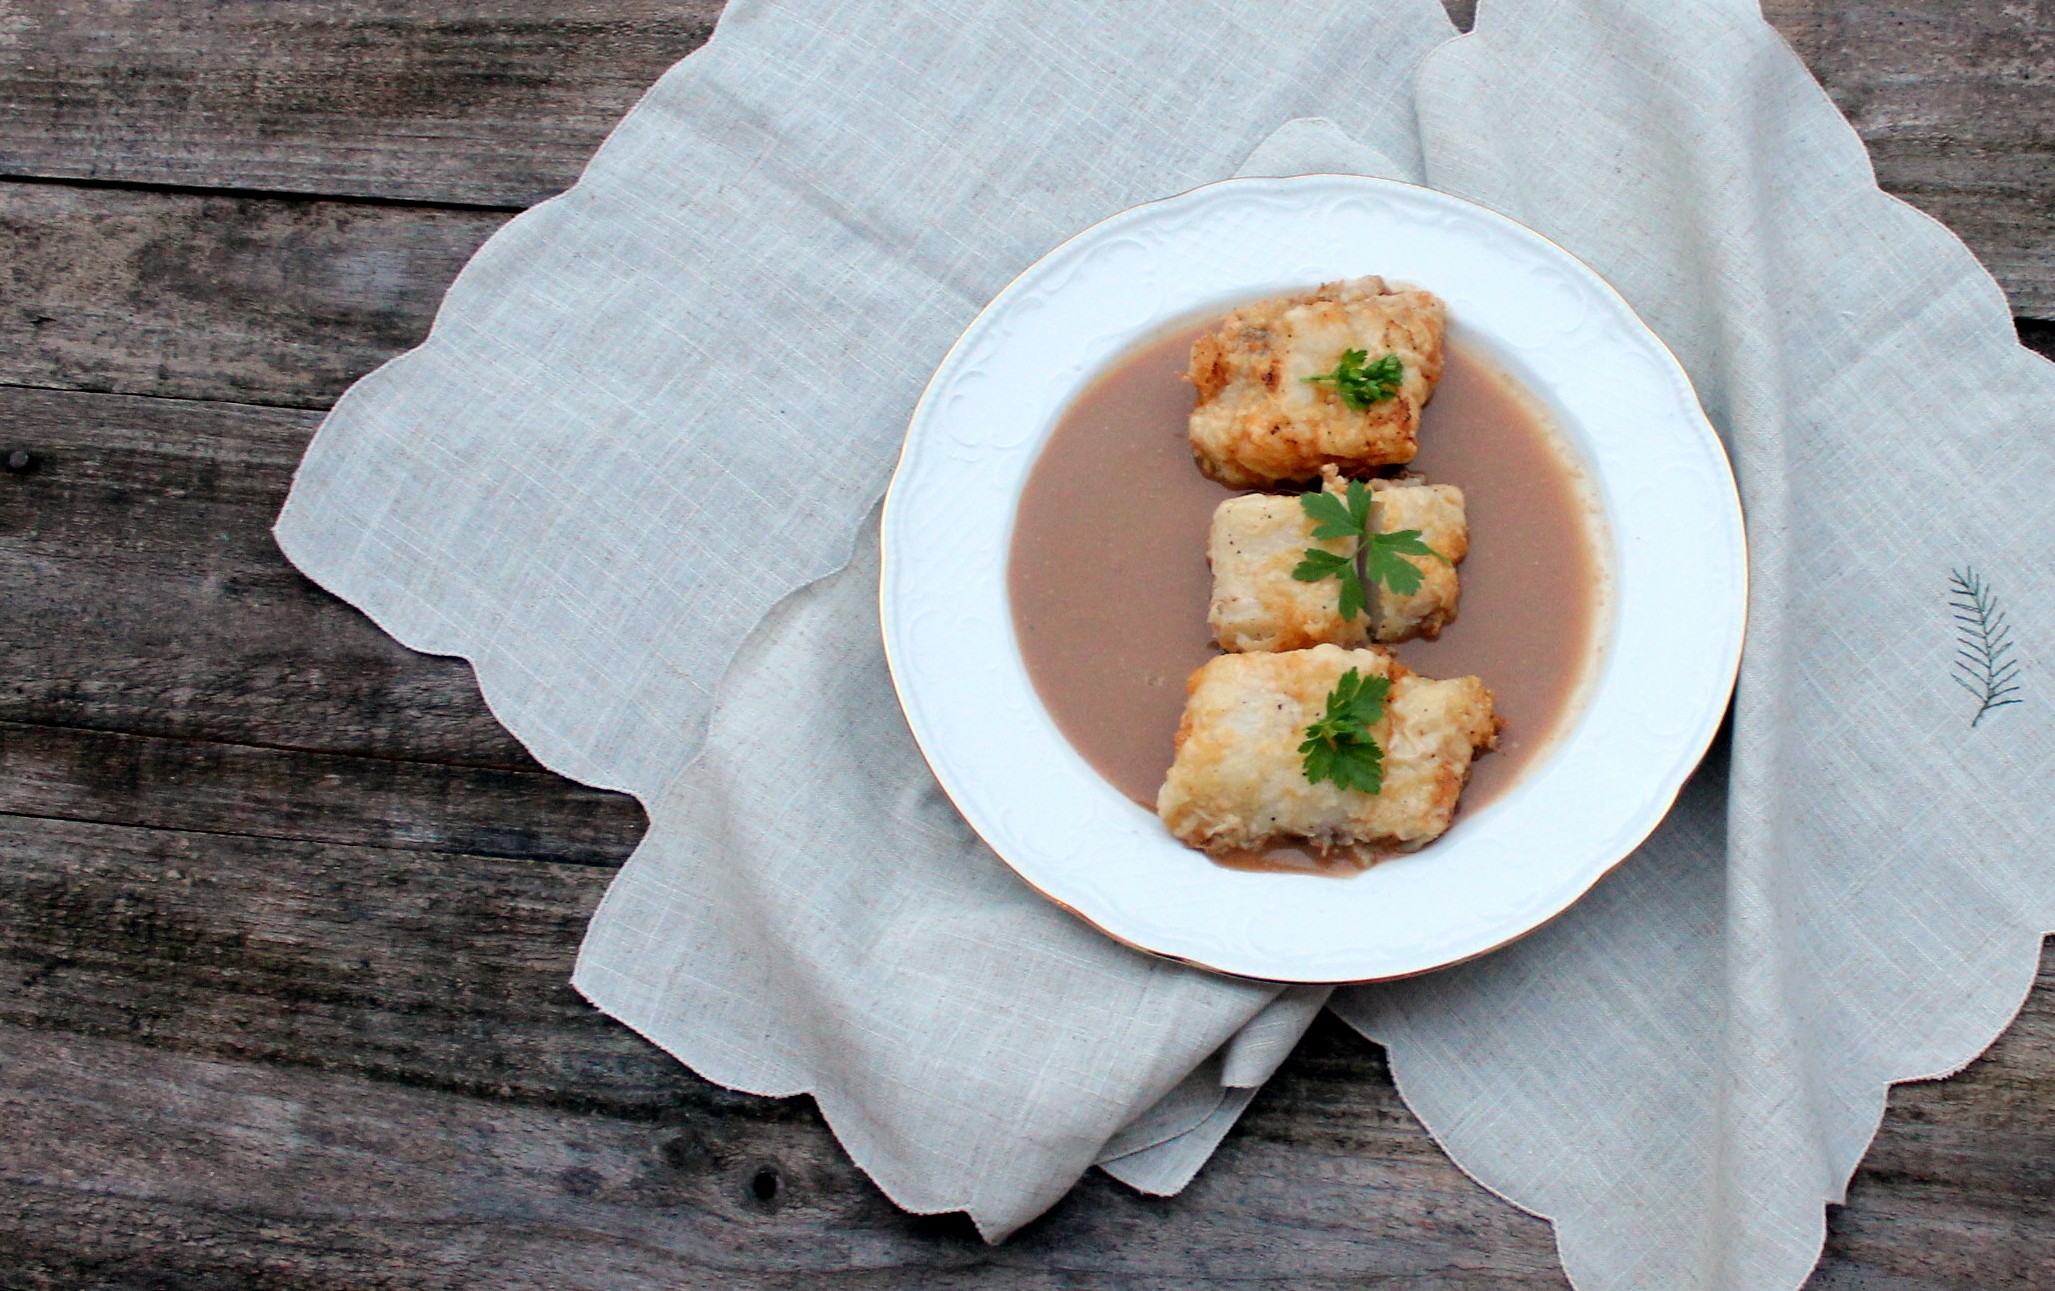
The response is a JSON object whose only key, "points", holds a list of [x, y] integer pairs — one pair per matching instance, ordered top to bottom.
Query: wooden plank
{"points": [[489, 103], [501, 105], [1957, 108], [245, 300], [256, 301], [287, 302], [144, 593], [109, 777], [424, 969], [434, 975], [292, 1054], [154, 1169], [1958, 1190]]}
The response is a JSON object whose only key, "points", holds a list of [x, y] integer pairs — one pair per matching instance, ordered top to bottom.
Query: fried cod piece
{"points": [[1258, 421], [1436, 510], [1258, 539], [1255, 543], [1238, 784]]}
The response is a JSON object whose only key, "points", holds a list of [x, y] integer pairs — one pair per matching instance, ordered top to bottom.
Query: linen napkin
{"points": [[656, 405], [1684, 1068]]}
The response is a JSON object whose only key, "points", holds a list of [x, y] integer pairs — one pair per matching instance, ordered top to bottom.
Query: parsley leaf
{"points": [[1361, 383], [1335, 516], [1378, 557], [1382, 559], [1319, 563], [1338, 746]]}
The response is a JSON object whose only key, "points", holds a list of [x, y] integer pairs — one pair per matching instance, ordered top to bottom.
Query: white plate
{"points": [[1676, 555]]}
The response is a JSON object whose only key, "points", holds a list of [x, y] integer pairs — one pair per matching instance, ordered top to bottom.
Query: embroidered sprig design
{"points": [[1984, 665]]}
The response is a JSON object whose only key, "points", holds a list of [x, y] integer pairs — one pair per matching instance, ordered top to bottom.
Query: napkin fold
{"points": [[654, 406], [808, 914], [1683, 1069]]}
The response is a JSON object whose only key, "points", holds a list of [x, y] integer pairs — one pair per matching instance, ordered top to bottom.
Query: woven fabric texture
{"points": [[629, 475]]}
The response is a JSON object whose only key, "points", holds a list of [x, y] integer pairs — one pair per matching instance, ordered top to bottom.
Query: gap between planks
{"points": [[454, 104], [269, 1049], [242, 1175]]}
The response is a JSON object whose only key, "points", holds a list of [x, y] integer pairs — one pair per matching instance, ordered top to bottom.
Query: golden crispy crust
{"points": [[1257, 421], [1436, 510], [1257, 540], [1237, 784]]}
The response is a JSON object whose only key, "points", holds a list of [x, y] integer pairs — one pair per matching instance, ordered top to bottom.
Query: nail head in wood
{"points": [[20, 462]]}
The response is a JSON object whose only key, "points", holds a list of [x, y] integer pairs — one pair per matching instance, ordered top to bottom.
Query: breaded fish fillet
{"points": [[1257, 419], [1436, 511], [1257, 540], [1255, 543], [1238, 783]]}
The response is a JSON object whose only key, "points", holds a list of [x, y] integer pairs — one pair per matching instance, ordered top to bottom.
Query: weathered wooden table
{"points": [[286, 918]]}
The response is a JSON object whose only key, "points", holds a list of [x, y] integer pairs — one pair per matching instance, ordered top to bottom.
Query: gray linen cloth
{"points": [[659, 405]]}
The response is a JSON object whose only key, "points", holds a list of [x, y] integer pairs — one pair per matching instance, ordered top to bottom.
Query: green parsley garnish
{"points": [[1361, 383], [1378, 558], [1339, 746]]}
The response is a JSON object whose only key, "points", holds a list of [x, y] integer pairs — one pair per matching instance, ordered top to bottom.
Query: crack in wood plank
{"points": [[496, 103], [501, 106], [238, 299], [145, 594], [66, 773], [437, 977], [259, 994], [244, 1175]]}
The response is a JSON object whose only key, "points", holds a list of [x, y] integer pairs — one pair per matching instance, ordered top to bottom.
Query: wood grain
{"points": [[457, 101], [500, 105], [1957, 105], [196, 297], [286, 302], [144, 593], [110, 777], [423, 969], [244, 1040], [313, 1060], [229, 1174]]}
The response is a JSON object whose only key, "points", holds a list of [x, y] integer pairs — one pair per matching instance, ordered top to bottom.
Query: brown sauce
{"points": [[1110, 586], [1332, 863]]}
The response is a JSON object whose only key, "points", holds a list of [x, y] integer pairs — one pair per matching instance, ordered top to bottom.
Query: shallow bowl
{"points": [[1672, 543]]}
